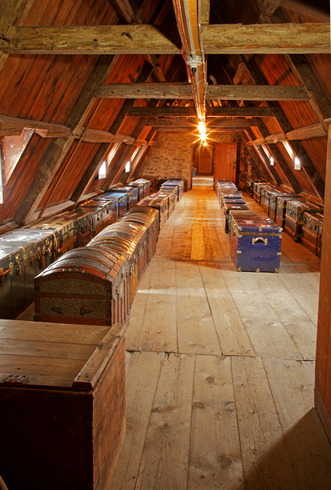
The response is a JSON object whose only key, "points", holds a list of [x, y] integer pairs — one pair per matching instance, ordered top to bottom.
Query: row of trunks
{"points": [[300, 217], [255, 241], [25, 252], [96, 284]]}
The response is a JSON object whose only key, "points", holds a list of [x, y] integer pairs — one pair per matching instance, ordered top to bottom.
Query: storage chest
{"points": [[256, 245], [62, 404]]}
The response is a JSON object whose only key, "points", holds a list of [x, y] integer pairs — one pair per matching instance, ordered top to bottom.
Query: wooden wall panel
{"points": [[316, 149], [300, 175], [22, 177], [323, 351]]}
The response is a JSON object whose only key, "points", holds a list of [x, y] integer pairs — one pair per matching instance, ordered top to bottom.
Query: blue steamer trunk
{"points": [[258, 246]]}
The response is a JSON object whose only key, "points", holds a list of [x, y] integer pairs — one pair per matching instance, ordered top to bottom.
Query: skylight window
{"points": [[289, 149], [297, 163], [127, 166], [102, 170]]}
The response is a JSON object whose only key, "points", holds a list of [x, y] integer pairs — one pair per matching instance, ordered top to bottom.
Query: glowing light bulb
{"points": [[202, 130]]}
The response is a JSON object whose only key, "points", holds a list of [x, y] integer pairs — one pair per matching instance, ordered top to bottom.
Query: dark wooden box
{"points": [[62, 404]]}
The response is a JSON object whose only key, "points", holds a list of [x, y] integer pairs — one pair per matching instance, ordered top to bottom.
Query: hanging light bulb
{"points": [[203, 133]]}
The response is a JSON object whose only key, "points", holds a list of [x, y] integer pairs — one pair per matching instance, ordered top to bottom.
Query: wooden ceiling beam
{"points": [[266, 38], [148, 39], [90, 40], [145, 91], [184, 91], [257, 92], [210, 112], [175, 124], [11, 126]]}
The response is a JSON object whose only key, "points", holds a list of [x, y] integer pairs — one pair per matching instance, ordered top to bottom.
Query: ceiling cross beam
{"points": [[287, 38], [184, 91]]}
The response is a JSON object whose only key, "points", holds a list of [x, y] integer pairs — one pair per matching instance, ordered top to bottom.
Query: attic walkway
{"points": [[220, 365]]}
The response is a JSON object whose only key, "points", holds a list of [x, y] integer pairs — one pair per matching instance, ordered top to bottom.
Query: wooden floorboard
{"points": [[220, 368]]}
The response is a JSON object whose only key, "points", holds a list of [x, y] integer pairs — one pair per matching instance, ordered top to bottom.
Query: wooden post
{"points": [[323, 351]]}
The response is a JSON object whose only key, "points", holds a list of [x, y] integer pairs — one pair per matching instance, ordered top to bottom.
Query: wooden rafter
{"points": [[148, 39], [312, 131], [98, 136]]}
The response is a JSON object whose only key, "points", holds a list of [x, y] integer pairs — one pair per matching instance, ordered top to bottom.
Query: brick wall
{"points": [[171, 157]]}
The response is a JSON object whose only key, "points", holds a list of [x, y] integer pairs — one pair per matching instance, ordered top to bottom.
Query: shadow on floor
{"points": [[301, 460]]}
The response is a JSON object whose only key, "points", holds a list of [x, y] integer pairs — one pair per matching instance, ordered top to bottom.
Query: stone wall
{"points": [[172, 157]]}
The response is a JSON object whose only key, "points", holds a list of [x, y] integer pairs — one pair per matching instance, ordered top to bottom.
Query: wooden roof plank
{"points": [[59, 147]]}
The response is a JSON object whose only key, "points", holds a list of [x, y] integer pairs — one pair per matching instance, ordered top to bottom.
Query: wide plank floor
{"points": [[220, 365]]}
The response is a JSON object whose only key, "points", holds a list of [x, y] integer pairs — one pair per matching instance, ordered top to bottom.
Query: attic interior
{"points": [[94, 94]]}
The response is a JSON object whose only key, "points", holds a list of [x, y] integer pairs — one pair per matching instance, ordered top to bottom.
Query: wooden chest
{"points": [[177, 184], [147, 185], [257, 187], [141, 189], [266, 191], [171, 193], [132, 194], [274, 195], [122, 200], [159, 202], [233, 205], [280, 208], [103, 213], [294, 216], [149, 217], [311, 235], [23, 254], [87, 285], [62, 404]]}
